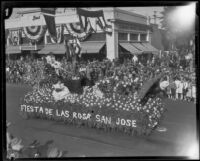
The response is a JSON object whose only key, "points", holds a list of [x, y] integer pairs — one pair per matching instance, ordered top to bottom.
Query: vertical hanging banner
{"points": [[84, 15], [49, 16], [87, 24], [59, 35], [14, 37]]}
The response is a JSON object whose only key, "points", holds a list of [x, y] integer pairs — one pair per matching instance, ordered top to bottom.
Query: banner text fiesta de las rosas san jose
{"points": [[76, 115]]}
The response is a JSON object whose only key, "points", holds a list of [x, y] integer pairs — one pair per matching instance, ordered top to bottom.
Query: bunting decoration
{"points": [[49, 16], [83, 29], [75, 31], [34, 33], [59, 35]]}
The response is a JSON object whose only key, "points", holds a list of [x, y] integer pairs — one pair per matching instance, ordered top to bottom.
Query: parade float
{"points": [[103, 105], [106, 105]]}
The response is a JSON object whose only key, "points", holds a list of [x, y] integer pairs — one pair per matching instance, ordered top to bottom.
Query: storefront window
{"points": [[123, 36], [97, 37], [134, 37], [143, 37], [48, 39], [25, 40]]}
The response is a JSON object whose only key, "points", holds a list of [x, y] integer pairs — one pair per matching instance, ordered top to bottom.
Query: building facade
{"points": [[130, 33]]}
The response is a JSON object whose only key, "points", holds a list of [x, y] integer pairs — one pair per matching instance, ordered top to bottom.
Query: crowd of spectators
{"points": [[181, 78]]}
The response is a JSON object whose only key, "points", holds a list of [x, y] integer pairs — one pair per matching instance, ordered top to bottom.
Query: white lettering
{"points": [[23, 107], [36, 108], [41, 110], [50, 111], [67, 113], [57, 114], [74, 115], [98, 118], [118, 121], [123, 122], [134, 123]]}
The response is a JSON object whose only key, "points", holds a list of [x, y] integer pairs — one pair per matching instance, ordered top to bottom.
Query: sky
{"points": [[146, 11]]}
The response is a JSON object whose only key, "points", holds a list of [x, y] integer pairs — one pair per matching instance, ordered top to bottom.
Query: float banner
{"points": [[49, 16], [77, 116]]}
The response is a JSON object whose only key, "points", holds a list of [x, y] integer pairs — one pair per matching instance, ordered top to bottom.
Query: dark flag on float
{"points": [[49, 16], [84, 16], [77, 46], [67, 49], [151, 87]]}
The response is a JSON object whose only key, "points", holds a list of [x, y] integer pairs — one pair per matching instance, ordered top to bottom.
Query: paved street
{"points": [[180, 121]]}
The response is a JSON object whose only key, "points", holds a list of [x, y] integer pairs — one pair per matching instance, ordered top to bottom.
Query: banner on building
{"points": [[49, 16], [86, 16], [75, 31]]}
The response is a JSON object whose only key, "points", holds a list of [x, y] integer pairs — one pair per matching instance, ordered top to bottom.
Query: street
{"points": [[180, 121]]}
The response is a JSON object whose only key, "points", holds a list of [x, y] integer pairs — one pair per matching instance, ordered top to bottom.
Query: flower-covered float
{"points": [[106, 105]]}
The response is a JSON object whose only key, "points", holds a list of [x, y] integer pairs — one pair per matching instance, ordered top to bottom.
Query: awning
{"points": [[139, 46], [86, 47], [91, 47], [145, 47], [150, 47], [54, 48], [130, 48], [12, 50]]}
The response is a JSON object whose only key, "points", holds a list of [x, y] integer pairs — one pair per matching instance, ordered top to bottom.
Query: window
{"points": [[123, 36], [97, 37], [134, 37], [143, 37], [48, 39], [25, 40]]}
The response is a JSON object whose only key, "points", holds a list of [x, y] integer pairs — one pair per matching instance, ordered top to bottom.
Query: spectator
{"points": [[177, 82], [185, 88]]}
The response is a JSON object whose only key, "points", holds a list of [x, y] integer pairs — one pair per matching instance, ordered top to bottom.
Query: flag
{"points": [[49, 16], [78, 47], [67, 49]]}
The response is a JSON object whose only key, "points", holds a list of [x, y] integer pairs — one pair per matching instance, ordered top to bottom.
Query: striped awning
{"points": [[139, 46], [86, 47], [91, 47], [129, 47], [145, 47], [150, 47], [54, 48], [13, 50]]}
